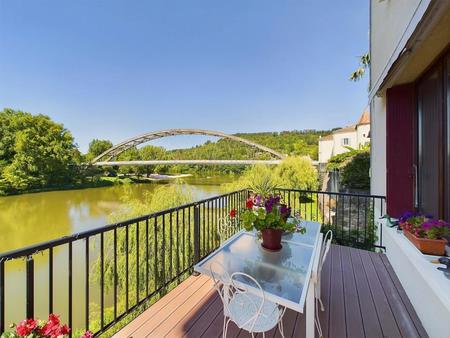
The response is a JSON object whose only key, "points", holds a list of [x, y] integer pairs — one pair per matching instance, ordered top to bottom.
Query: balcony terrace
{"points": [[139, 272], [361, 294]]}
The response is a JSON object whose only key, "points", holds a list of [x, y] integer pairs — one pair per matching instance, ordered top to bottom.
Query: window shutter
{"points": [[400, 149]]}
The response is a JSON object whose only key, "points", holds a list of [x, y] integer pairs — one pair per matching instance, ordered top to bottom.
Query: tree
{"points": [[364, 63], [97, 147], [35, 152], [148, 153], [297, 173], [355, 175]]}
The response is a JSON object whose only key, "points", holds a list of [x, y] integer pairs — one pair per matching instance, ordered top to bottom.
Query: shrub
{"points": [[355, 174]]}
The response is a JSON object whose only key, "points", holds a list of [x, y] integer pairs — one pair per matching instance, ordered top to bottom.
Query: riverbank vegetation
{"points": [[38, 154]]}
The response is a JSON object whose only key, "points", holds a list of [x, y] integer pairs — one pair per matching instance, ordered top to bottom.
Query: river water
{"points": [[33, 218]]}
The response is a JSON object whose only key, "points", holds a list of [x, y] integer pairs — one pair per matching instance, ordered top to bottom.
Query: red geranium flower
{"points": [[249, 204], [233, 213], [26, 327], [52, 328]]}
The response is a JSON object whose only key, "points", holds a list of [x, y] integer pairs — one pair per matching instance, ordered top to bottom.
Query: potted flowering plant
{"points": [[268, 215], [426, 233], [32, 328]]}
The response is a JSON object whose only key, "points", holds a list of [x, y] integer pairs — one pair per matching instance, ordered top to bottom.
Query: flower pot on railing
{"points": [[427, 246]]}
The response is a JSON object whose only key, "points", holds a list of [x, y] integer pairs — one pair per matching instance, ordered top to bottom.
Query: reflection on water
{"points": [[33, 218]]}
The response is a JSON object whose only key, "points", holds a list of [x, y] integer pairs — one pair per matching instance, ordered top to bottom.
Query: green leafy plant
{"points": [[267, 212]]}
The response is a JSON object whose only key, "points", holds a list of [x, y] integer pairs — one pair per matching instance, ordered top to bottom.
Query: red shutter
{"points": [[400, 148]]}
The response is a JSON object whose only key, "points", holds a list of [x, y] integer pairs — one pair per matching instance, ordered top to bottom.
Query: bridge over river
{"points": [[109, 157]]}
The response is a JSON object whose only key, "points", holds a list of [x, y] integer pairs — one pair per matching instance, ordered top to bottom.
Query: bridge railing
{"points": [[100, 278]]}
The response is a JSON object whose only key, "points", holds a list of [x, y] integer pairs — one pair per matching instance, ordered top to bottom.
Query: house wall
{"points": [[391, 23], [362, 132], [378, 146], [339, 148], [325, 150]]}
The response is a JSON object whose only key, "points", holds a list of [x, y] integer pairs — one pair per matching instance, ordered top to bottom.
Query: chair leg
{"points": [[321, 304], [317, 321], [223, 326], [281, 328], [224, 335]]}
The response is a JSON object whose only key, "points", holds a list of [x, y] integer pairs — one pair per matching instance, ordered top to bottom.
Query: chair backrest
{"points": [[225, 228], [326, 244], [236, 288], [253, 302]]}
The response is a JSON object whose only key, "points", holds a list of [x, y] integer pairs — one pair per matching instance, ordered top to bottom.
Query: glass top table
{"points": [[284, 275]]}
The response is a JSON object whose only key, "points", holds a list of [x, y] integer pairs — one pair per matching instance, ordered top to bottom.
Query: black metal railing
{"points": [[351, 217], [96, 278]]}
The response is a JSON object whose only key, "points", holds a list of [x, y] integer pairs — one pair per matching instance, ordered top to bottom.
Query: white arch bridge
{"points": [[108, 157]]}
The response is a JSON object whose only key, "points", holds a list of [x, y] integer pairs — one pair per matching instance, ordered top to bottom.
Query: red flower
{"points": [[249, 204], [233, 213], [53, 319], [26, 327], [52, 327], [63, 330], [87, 334]]}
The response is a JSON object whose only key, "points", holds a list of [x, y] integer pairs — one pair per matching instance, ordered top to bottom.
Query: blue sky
{"points": [[114, 69]]}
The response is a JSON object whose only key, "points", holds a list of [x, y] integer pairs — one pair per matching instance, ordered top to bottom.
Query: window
{"points": [[433, 140], [345, 141]]}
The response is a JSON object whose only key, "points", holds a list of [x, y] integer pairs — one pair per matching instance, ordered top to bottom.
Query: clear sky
{"points": [[115, 69]]}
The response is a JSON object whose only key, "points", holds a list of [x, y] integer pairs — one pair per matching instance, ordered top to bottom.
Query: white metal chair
{"points": [[225, 228], [326, 244], [248, 310]]}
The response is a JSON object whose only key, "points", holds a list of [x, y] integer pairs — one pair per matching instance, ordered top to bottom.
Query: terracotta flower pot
{"points": [[271, 239], [427, 246]]}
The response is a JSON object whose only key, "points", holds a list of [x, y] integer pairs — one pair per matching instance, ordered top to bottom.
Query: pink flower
{"points": [[233, 213], [26, 327], [87, 334]]}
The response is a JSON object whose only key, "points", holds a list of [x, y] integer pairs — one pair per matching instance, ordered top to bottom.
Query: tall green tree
{"points": [[97, 147], [35, 152], [148, 153]]}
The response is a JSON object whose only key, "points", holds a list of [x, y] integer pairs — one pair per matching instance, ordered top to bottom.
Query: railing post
{"points": [[196, 233], [30, 286], [2, 296]]}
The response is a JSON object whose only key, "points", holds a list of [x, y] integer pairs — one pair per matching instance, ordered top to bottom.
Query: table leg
{"points": [[310, 311]]}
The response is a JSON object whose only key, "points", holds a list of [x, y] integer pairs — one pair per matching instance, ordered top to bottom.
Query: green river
{"points": [[33, 218]]}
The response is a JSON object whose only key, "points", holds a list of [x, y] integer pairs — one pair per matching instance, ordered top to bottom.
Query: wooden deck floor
{"points": [[361, 293]]}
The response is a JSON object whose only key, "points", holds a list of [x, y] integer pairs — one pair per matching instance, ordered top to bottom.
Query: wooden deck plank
{"points": [[356, 286], [402, 293], [337, 301], [183, 310], [369, 315], [385, 315], [401, 315], [353, 316], [155, 319], [289, 320], [135, 324], [202, 324], [183, 326]]}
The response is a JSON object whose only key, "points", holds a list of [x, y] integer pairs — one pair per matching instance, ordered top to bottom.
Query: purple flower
{"points": [[258, 199], [269, 206], [285, 210], [407, 215]]}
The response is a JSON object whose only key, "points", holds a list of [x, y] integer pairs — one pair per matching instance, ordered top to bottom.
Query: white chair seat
{"points": [[241, 312]]}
